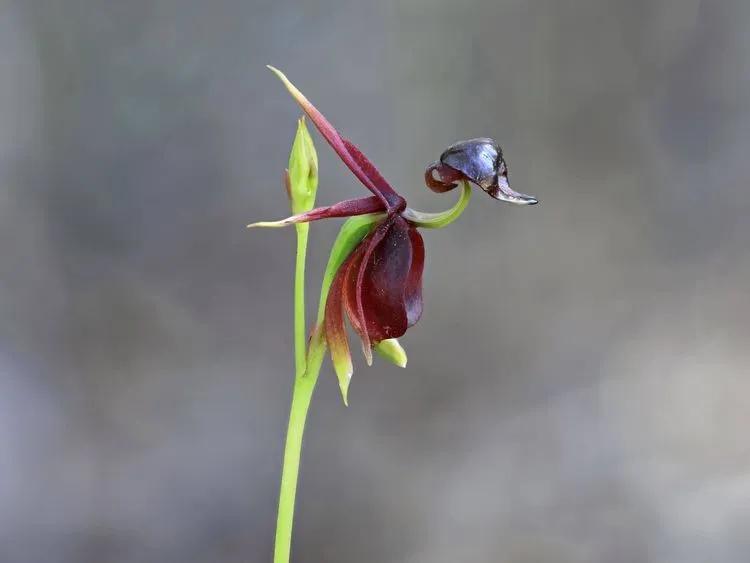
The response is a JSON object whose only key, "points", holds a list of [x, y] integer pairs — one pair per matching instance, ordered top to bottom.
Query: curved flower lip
{"points": [[481, 162]]}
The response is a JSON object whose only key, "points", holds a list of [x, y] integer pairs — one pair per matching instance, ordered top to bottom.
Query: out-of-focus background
{"points": [[578, 388]]}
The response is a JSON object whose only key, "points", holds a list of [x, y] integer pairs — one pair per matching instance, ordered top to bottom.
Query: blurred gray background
{"points": [[578, 388]]}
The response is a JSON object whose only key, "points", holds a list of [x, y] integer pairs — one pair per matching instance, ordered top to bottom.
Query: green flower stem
{"points": [[301, 181], [300, 362], [301, 396]]}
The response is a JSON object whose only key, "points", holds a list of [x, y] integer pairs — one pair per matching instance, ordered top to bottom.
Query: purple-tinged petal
{"points": [[346, 208]]}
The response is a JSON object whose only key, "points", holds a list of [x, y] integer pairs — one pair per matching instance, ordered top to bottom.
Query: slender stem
{"points": [[303, 231], [301, 397]]}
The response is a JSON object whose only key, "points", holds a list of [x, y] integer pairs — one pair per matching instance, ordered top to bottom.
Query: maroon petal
{"points": [[342, 147], [374, 174], [346, 208], [371, 244], [384, 285], [379, 286]]}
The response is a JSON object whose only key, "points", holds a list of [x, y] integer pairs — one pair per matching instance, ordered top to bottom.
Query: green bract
{"points": [[303, 170], [392, 351]]}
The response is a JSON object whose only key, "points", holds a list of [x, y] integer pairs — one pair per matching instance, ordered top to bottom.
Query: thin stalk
{"points": [[300, 362], [301, 396]]}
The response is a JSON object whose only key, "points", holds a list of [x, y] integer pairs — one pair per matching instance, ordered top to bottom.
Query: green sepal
{"points": [[302, 177], [392, 351]]}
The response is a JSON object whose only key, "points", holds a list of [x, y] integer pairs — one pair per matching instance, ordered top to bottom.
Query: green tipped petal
{"points": [[303, 171], [439, 220], [392, 351], [342, 362], [344, 375]]}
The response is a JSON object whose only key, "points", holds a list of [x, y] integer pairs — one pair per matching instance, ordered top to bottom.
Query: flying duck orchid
{"points": [[374, 272], [377, 282]]}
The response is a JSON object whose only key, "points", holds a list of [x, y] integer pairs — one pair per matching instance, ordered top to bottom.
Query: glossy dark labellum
{"points": [[481, 162]]}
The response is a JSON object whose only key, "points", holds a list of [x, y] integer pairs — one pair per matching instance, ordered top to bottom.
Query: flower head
{"points": [[377, 285]]}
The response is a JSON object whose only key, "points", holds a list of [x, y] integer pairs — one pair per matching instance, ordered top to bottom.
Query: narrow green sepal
{"points": [[302, 178], [392, 351]]}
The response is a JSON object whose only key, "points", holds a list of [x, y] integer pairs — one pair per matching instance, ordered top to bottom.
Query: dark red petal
{"points": [[337, 143], [374, 174], [346, 208], [371, 243], [379, 285], [383, 287], [413, 288]]}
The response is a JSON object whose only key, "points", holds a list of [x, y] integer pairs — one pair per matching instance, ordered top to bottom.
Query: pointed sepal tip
{"points": [[392, 351]]}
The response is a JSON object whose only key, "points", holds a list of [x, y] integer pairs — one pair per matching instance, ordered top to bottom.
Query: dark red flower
{"points": [[379, 285]]}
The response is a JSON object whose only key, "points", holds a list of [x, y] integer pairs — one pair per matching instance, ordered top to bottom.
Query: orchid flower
{"points": [[374, 272], [378, 287]]}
